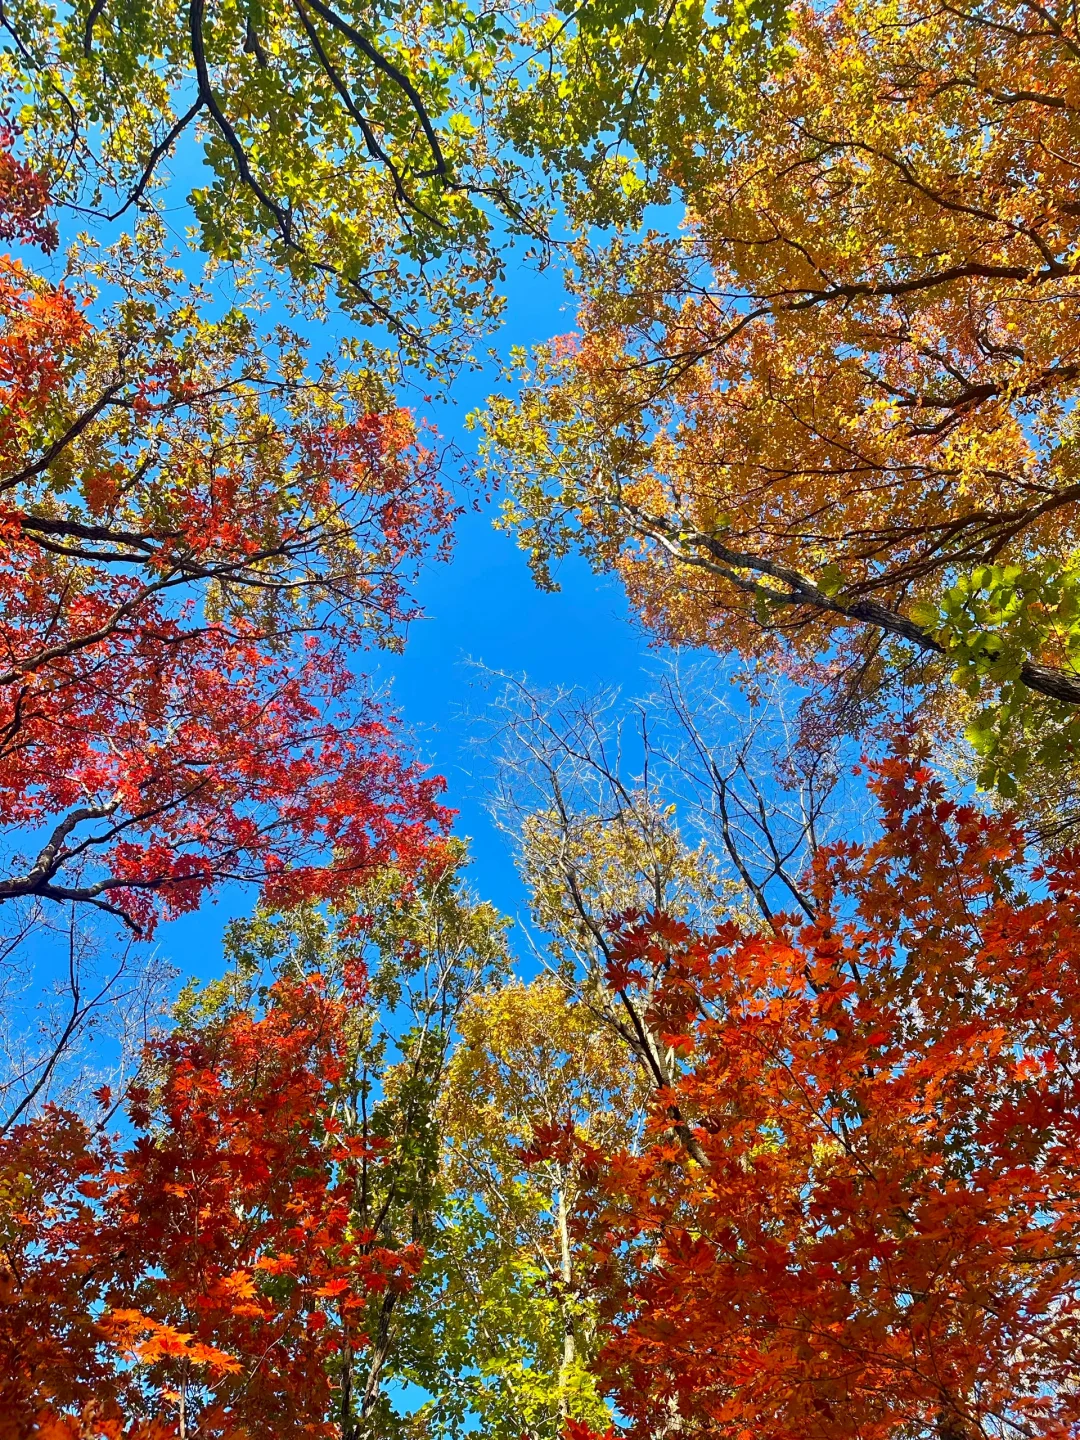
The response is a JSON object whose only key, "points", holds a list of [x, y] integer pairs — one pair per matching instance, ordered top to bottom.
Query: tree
{"points": [[611, 97], [338, 144], [371, 154], [24, 199], [836, 420], [197, 532], [682, 802], [429, 948], [76, 1010], [875, 1233], [239, 1269], [211, 1277], [500, 1330]]}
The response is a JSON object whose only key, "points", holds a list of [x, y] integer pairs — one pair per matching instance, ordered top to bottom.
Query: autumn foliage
{"points": [[24, 199], [835, 418], [192, 545], [721, 1172], [879, 1237], [212, 1270]]}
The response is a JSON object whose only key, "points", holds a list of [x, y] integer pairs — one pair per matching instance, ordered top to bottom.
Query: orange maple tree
{"points": [[848, 386], [873, 1228], [211, 1277]]}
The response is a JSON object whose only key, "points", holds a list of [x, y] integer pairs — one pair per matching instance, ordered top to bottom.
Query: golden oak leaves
{"points": [[854, 378], [881, 1236], [214, 1264]]}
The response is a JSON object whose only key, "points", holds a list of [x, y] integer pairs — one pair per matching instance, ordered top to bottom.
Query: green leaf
{"points": [[925, 614]]}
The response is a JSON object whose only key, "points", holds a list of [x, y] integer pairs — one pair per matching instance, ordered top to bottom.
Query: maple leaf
{"points": [[237, 1117], [900, 1219]]}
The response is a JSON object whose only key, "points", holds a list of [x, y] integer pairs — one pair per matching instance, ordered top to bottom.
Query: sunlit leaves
{"points": [[331, 143], [851, 380], [199, 523], [879, 1237], [214, 1269]]}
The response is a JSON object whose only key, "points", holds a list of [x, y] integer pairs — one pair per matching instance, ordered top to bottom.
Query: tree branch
{"points": [[799, 592]]}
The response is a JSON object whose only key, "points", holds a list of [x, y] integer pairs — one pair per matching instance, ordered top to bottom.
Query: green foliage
{"points": [[616, 94], [341, 145], [375, 155], [992, 622], [499, 1329], [483, 1338]]}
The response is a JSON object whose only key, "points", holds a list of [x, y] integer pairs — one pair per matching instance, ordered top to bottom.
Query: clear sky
{"points": [[482, 606]]}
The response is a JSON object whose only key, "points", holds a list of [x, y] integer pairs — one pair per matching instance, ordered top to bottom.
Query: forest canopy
{"points": [[760, 1117]]}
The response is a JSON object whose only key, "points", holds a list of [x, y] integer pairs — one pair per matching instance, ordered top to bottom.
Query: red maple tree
{"points": [[198, 530], [857, 1212], [211, 1277]]}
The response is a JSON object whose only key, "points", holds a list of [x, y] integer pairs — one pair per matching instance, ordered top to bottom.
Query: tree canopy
{"points": [[835, 417], [762, 1117]]}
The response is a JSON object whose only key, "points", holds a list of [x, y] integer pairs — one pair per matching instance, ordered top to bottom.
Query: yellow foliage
{"points": [[852, 379]]}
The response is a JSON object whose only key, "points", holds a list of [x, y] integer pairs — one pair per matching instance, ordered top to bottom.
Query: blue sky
{"points": [[482, 607]]}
